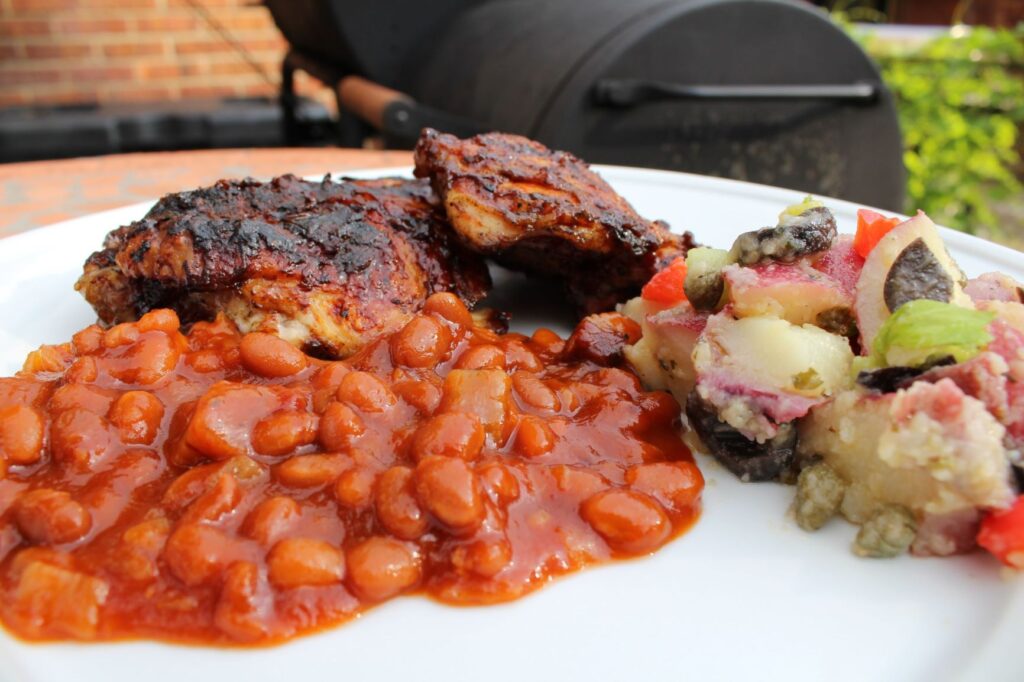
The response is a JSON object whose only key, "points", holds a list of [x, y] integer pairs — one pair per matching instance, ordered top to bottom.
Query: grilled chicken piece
{"points": [[546, 212], [326, 265]]}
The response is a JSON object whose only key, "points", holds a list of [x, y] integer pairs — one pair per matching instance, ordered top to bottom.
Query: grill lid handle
{"points": [[626, 92]]}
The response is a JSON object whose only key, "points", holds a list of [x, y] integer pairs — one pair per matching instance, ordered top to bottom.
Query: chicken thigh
{"points": [[545, 212], [326, 265]]}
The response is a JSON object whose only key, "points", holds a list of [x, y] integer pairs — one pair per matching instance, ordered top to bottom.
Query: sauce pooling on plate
{"points": [[220, 488]]}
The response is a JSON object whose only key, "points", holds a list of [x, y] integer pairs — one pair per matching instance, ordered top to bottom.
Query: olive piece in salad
{"points": [[803, 230], [916, 274], [705, 284], [840, 321], [892, 379], [745, 458]]}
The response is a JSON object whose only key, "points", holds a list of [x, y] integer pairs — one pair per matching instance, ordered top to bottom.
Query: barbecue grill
{"points": [[763, 90]]}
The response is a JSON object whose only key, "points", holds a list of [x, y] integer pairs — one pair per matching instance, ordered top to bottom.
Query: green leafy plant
{"points": [[960, 98]]}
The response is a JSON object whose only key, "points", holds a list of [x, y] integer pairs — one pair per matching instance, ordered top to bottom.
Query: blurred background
{"points": [[895, 103]]}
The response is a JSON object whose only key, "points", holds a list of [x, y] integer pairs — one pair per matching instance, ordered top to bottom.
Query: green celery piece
{"points": [[923, 330]]}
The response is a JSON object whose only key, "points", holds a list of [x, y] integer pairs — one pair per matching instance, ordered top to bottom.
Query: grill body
{"points": [[768, 91]]}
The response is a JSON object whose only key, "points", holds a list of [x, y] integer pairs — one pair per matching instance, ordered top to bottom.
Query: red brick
{"points": [[208, 3], [118, 4], [41, 6], [243, 20], [167, 23], [77, 26], [17, 28], [257, 44], [202, 47], [133, 49], [157, 49], [56, 50], [231, 68], [159, 71], [102, 73], [21, 77], [260, 89], [208, 91], [145, 94], [62, 96], [13, 99]]}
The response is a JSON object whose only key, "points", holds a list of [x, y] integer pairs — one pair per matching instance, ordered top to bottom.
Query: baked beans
{"points": [[224, 488]]}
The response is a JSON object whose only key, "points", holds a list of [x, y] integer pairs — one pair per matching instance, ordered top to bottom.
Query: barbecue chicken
{"points": [[545, 212], [326, 265]]}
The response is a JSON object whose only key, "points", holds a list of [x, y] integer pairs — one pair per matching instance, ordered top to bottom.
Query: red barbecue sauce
{"points": [[217, 488]]}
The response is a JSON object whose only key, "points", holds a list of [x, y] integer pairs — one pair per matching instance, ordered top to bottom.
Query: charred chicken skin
{"points": [[545, 212], [326, 265]]}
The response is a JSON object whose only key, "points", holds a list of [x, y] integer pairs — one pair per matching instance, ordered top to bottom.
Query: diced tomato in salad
{"points": [[871, 227], [667, 286], [1002, 534]]}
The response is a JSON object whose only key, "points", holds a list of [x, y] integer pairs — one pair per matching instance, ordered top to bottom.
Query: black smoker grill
{"points": [[763, 90]]}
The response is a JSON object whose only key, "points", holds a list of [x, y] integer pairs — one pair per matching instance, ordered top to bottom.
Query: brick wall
{"points": [[988, 12], [78, 51]]}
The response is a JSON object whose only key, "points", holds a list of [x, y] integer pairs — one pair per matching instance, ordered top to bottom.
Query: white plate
{"points": [[744, 595]]}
